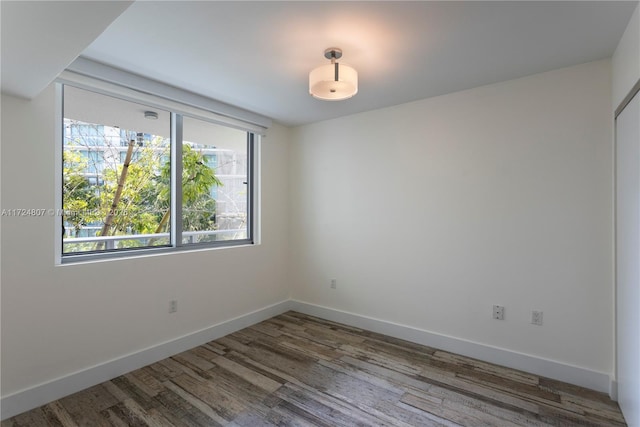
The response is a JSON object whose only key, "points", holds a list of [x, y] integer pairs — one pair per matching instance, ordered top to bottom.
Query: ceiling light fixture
{"points": [[333, 82]]}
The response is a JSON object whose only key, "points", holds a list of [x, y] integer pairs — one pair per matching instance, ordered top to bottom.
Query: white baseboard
{"points": [[538, 366], [613, 390], [41, 394]]}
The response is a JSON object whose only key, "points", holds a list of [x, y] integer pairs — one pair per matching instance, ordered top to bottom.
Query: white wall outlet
{"points": [[334, 283], [173, 306], [498, 312], [536, 317]]}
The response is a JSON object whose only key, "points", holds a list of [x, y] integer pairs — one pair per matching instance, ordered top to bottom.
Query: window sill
{"points": [[124, 255]]}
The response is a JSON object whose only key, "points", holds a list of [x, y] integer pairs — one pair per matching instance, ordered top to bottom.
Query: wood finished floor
{"points": [[297, 370]]}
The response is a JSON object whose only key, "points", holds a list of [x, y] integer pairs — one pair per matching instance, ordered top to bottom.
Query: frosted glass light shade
{"points": [[322, 84]]}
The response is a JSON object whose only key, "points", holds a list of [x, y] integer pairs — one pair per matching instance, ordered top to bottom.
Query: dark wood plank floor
{"points": [[299, 370]]}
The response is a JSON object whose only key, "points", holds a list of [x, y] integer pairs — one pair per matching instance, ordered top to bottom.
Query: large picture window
{"points": [[136, 177]]}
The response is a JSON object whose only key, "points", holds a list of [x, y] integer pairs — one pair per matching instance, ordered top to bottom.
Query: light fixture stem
{"points": [[335, 64]]}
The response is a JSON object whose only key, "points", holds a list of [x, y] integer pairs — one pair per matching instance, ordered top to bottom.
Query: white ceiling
{"points": [[39, 39], [257, 55]]}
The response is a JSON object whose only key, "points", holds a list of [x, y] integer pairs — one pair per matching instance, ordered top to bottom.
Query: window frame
{"points": [[176, 244]]}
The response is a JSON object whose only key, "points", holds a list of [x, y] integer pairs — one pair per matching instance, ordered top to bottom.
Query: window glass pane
{"points": [[214, 183], [109, 203]]}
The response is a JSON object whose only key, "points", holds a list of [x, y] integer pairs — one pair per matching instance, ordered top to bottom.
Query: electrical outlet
{"points": [[334, 283], [173, 306], [498, 312], [536, 317]]}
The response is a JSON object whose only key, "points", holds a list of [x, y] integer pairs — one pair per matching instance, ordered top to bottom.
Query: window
{"points": [[218, 156], [134, 183]]}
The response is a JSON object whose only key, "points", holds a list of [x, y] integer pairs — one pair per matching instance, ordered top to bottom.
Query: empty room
{"points": [[320, 213]]}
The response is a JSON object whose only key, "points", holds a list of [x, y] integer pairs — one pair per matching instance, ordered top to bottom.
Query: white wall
{"points": [[626, 60], [626, 72], [428, 213], [628, 254], [57, 320]]}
